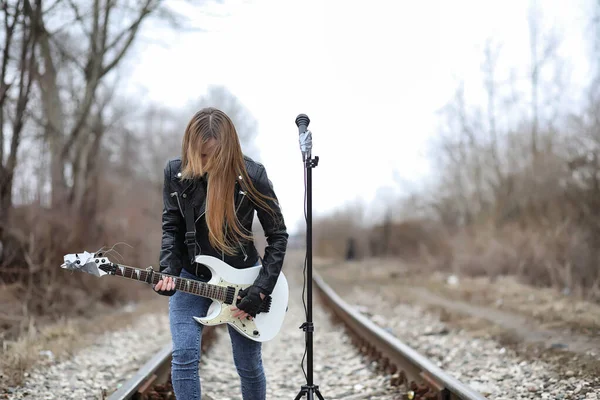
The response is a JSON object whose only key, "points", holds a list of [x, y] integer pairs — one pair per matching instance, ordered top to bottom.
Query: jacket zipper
{"points": [[176, 195], [240, 203], [236, 210], [203, 212], [241, 247], [244, 251], [223, 252]]}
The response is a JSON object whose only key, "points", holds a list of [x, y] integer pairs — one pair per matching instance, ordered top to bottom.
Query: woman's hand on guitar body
{"points": [[166, 287], [251, 298]]}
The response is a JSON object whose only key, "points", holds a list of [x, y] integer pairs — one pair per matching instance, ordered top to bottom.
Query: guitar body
{"points": [[265, 325]]}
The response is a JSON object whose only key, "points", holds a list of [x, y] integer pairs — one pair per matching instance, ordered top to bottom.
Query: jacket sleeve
{"points": [[275, 233], [172, 236]]}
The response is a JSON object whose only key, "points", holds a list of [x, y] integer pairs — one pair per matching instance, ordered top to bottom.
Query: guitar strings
{"points": [[112, 250]]}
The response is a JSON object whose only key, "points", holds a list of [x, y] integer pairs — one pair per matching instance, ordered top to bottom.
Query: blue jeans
{"points": [[187, 334]]}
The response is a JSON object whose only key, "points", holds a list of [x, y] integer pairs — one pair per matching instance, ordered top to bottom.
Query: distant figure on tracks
{"points": [[224, 188]]}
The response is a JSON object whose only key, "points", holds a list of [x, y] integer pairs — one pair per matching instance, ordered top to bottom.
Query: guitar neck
{"points": [[224, 294]]}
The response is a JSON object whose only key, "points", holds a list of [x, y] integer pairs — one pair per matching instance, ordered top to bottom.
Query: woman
{"points": [[224, 188]]}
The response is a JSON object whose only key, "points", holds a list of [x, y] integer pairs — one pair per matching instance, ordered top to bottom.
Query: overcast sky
{"points": [[369, 74]]}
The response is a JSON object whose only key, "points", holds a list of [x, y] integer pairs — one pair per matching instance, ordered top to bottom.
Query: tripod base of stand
{"points": [[309, 391]]}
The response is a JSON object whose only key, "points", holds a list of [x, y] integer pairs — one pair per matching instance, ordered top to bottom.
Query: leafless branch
{"points": [[79, 17], [130, 32], [66, 54], [4, 86]]}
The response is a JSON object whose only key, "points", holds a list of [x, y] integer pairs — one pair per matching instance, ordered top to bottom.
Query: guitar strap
{"points": [[190, 225], [190, 234]]}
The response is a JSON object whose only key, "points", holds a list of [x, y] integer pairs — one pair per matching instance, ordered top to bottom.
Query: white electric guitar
{"points": [[222, 288]]}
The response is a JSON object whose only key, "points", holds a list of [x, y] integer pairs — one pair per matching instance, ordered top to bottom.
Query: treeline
{"points": [[517, 177]]}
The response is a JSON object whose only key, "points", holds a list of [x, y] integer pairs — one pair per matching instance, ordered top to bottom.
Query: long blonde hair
{"points": [[224, 167]]}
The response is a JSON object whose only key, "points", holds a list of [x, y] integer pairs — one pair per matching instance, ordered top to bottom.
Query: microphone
{"points": [[302, 122]]}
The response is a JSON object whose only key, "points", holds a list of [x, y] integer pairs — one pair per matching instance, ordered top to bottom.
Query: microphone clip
{"points": [[305, 137], [306, 144]]}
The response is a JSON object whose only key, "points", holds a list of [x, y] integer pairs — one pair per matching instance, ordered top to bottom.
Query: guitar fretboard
{"points": [[185, 285]]}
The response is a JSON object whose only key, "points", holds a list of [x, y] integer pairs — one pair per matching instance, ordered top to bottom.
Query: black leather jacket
{"points": [[177, 193]]}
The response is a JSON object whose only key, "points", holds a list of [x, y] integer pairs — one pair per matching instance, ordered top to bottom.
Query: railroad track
{"points": [[416, 377], [423, 379], [152, 381]]}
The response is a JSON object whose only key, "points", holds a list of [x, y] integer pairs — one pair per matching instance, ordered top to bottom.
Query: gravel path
{"points": [[112, 359], [483, 364]]}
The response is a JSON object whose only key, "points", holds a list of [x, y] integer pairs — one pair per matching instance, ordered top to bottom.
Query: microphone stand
{"points": [[310, 389]]}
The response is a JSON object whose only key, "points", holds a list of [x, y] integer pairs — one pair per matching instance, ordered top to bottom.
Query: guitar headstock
{"points": [[92, 263]]}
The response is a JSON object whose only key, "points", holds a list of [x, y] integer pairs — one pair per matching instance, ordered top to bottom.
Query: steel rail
{"points": [[412, 368], [156, 371]]}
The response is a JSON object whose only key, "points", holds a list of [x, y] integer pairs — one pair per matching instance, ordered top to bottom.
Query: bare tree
{"points": [[109, 28], [593, 29], [542, 51], [491, 54], [16, 77], [147, 140], [460, 155]]}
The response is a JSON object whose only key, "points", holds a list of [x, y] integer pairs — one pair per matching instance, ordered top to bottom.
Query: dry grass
{"points": [[541, 254], [560, 258], [31, 281], [545, 305], [47, 308], [64, 337], [20, 355]]}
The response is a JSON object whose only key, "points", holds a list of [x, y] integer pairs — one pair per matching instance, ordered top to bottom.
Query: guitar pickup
{"points": [[229, 295]]}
